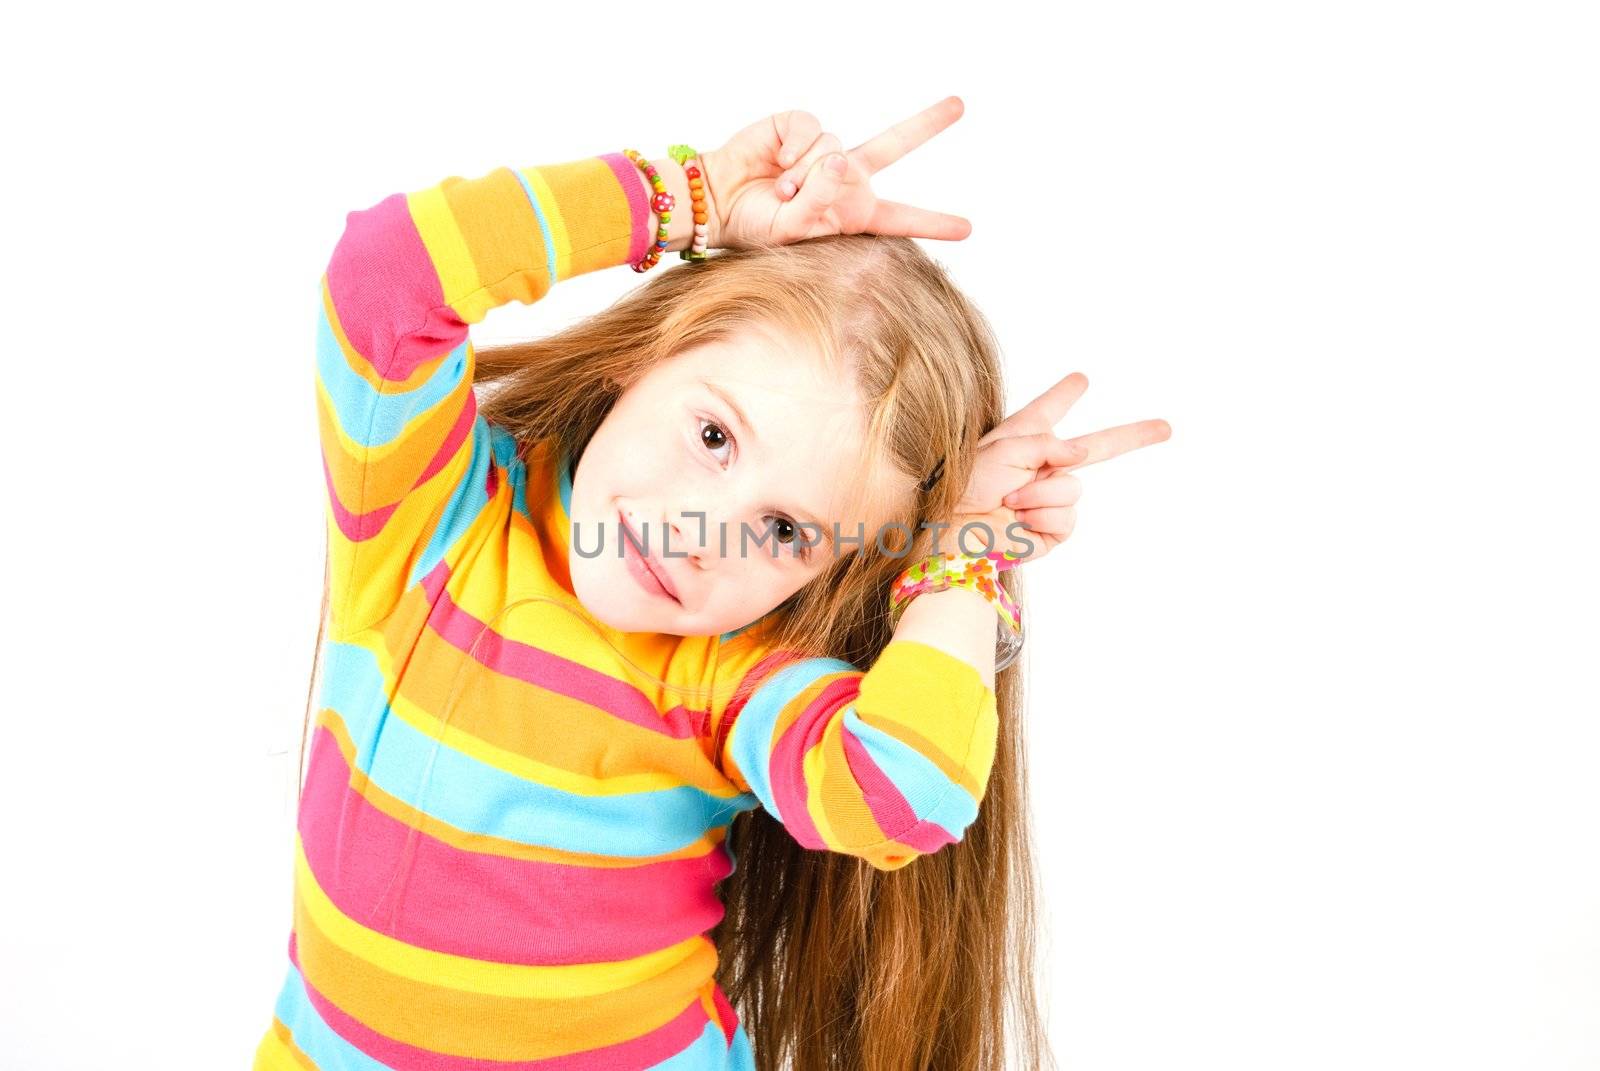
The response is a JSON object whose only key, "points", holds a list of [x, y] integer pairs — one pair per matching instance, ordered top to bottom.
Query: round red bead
{"points": [[662, 202]]}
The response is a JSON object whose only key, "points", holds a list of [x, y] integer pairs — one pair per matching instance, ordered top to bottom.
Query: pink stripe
{"points": [[632, 179], [386, 291], [452, 442], [356, 527], [521, 661], [787, 764], [884, 798], [927, 836], [521, 911], [728, 1018], [647, 1050]]}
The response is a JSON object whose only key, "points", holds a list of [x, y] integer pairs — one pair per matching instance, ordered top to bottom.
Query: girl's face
{"points": [[755, 435]]}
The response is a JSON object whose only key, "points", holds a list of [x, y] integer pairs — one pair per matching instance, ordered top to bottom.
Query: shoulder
{"points": [[753, 653]]}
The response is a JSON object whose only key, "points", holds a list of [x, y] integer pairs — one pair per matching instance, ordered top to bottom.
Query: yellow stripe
{"points": [[551, 210], [447, 248], [814, 767], [468, 975], [278, 1052]]}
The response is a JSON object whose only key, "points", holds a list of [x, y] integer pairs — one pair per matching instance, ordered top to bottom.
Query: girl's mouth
{"points": [[652, 577]]}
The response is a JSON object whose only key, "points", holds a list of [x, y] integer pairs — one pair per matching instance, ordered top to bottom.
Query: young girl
{"points": [[623, 755]]}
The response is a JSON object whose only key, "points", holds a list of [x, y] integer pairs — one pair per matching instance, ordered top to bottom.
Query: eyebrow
{"points": [[727, 399], [748, 428]]}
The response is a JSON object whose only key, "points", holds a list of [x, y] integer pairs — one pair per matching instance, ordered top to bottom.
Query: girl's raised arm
{"points": [[407, 459], [886, 764]]}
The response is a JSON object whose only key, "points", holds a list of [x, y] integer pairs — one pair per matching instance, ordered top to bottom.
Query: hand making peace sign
{"points": [[771, 184], [1025, 473]]}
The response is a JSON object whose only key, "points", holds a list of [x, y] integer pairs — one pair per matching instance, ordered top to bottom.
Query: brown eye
{"points": [[713, 438], [788, 532]]}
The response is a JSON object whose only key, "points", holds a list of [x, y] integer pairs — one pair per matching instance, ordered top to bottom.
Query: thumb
{"points": [[821, 186]]}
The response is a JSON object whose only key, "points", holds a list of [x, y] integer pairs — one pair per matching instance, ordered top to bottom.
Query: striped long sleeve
{"points": [[407, 459], [886, 764]]}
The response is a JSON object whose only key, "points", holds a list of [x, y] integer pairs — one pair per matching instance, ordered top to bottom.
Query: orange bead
{"points": [[701, 217]]}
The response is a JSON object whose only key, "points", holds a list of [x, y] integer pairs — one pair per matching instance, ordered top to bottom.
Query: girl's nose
{"points": [[692, 537]]}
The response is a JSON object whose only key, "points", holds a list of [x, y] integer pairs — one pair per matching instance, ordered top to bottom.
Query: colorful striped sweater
{"points": [[507, 852]]}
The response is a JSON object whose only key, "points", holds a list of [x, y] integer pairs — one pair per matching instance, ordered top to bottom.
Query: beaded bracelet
{"points": [[697, 196], [661, 203], [981, 573]]}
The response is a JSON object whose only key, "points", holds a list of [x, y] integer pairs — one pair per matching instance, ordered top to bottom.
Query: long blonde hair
{"points": [[830, 963]]}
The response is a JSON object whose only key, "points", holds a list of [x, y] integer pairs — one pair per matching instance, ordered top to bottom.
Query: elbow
{"points": [[944, 827]]}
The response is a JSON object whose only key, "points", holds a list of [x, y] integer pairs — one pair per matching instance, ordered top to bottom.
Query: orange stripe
{"points": [[595, 209], [502, 234], [567, 734]]}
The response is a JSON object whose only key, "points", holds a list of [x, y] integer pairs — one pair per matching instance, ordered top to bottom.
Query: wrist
{"points": [[707, 162], [680, 228], [972, 534]]}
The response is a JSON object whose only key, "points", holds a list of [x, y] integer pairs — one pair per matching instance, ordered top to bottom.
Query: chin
{"points": [[610, 600]]}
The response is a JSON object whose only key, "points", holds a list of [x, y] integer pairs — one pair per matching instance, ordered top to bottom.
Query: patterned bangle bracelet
{"points": [[981, 573]]}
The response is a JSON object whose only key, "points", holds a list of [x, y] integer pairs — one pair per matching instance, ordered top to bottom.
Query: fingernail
{"points": [[835, 165], [786, 187]]}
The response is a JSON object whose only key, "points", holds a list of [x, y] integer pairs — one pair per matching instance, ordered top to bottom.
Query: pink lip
{"points": [[651, 576]]}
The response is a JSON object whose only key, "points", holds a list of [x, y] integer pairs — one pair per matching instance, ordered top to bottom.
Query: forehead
{"points": [[805, 430]]}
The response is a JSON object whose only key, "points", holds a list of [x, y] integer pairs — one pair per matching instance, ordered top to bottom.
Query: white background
{"points": [[1314, 720]]}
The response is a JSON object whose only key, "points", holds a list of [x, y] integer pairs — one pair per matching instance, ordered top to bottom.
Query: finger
{"points": [[795, 131], [881, 150], [793, 177], [817, 193], [892, 217], [1045, 411], [1110, 442], [1037, 450], [1059, 489], [1056, 521]]}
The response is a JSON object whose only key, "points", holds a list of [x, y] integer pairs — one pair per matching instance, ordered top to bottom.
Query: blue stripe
{"points": [[544, 226], [357, 404], [503, 445], [565, 485], [467, 501], [726, 636], [750, 743], [929, 791], [474, 796], [710, 1052]]}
